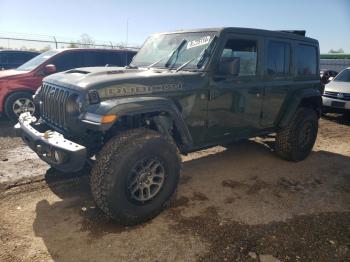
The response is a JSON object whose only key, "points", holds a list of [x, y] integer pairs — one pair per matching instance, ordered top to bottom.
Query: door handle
{"points": [[254, 91], [213, 94]]}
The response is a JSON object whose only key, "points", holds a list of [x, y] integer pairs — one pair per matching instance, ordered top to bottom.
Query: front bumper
{"points": [[335, 105], [51, 146]]}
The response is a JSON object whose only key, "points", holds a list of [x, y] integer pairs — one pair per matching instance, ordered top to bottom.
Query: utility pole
{"points": [[127, 32], [54, 38], [127, 39]]}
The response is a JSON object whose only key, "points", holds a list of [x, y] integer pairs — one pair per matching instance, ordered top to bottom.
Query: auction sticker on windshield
{"points": [[202, 41]]}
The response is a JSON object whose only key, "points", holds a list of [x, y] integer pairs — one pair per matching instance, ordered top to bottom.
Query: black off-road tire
{"points": [[11, 99], [346, 115], [289, 145], [114, 163]]}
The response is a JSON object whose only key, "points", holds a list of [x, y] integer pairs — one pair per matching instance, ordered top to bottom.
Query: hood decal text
{"points": [[132, 89]]}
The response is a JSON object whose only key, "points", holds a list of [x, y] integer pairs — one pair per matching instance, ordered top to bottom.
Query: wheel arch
{"points": [[310, 98], [162, 112]]}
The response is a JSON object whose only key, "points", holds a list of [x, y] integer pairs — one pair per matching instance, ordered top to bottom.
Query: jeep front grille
{"points": [[337, 95], [54, 100]]}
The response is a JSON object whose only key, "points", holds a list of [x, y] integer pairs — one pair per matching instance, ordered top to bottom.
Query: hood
{"points": [[10, 72], [120, 81], [337, 86]]}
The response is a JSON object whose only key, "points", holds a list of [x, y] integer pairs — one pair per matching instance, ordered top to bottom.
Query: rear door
{"points": [[278, 78]]}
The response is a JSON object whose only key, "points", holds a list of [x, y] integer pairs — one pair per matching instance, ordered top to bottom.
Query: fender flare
{"points": [[295, 101], [140, 105]]}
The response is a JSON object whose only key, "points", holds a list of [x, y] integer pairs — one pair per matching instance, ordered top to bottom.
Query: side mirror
{"points": [[229, 66], [50, 69], [330, 78]]}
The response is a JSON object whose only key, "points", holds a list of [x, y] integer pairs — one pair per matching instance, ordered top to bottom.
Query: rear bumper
{"points": [[51, 146]]}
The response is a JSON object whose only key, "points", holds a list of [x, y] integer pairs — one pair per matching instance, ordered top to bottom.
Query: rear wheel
{"points": [[18, 103], [346, 115], [295, 141], [135, 175]]}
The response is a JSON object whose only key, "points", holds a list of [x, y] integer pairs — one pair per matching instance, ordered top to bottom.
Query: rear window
{"points": [[278, 58], [306, 58]]}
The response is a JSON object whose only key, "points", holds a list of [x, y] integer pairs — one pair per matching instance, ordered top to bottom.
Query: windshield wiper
{"points": [[170, 55], [203, 55], [131, 66]]}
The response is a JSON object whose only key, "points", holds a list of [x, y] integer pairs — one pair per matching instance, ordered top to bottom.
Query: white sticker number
{"points": [[202, 41]]}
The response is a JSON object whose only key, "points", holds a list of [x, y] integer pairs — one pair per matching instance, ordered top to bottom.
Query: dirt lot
{"points": [[240, 203]]}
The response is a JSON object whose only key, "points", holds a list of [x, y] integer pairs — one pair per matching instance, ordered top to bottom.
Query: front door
{"points": [[235, 95]]}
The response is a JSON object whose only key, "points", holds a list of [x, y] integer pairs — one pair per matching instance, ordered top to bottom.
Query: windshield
{"points": [[173, 50], [36, 61], [343, 76]]}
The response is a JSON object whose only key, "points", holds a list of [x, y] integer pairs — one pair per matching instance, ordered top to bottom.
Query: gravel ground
{"points": [[240, 203]]}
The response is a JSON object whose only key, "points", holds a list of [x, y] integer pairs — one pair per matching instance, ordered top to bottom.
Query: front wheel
{"points": [[18, 103], [295, 141], [135, 175]]}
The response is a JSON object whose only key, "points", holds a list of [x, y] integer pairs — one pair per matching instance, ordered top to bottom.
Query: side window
{"points": [[242, 54], [130, 56], [27, 57], [3, 58], [18, 58], [94, 58], [114, 58], [278, 58], [306, 58], [68, 61]]}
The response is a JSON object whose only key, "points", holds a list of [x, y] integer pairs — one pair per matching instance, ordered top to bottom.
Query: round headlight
{"points": [[72, 105]]}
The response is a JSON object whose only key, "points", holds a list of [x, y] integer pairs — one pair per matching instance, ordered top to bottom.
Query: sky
{"points": [[106, 20]]}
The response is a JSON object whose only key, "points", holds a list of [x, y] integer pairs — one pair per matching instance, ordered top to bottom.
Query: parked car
{"points": [[14, 58], [327, 75], [18, 86], [183, 91], [336, 96]]}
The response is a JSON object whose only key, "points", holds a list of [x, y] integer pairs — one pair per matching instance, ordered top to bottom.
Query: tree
{"points": [[86, 41], [72, 45], [46, 48], [339, 51]]}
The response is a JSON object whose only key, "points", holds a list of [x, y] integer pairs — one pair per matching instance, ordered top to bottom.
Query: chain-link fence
{"points": [[20, 41]]}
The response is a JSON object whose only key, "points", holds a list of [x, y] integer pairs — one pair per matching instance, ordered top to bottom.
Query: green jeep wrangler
{"points": [[182, 92]]}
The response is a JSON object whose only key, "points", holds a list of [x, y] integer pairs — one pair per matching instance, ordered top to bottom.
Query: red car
{"points": [[18, 86]]}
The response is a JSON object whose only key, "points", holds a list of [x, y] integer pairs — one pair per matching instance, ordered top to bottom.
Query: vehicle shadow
{"points": [[337, 118], [7, 128], [72, 227]]}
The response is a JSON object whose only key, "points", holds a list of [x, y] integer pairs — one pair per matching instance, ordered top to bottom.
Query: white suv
{"points": [[336, 96]]}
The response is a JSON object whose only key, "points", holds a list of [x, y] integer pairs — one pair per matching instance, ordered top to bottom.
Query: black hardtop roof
{"points": [[289, 34]]}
